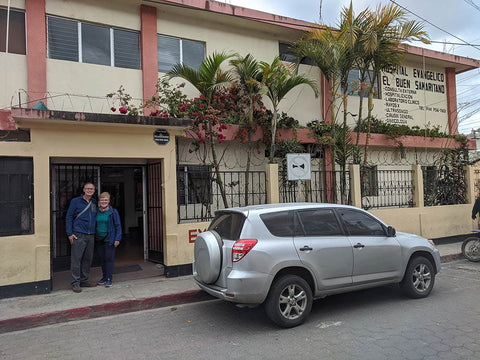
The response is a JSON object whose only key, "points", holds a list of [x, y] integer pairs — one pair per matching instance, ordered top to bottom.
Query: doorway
{"points": [[135, 192]]}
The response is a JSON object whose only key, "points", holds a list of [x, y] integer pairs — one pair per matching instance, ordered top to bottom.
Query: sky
{"points": [[451, 22]]}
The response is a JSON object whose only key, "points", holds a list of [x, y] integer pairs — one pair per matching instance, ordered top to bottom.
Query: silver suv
{"points": [[287, 255]]}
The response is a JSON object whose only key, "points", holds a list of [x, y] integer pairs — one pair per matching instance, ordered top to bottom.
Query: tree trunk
{"points": [[274, 130]]}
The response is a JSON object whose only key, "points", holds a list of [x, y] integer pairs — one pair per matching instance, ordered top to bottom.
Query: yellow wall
{"points": [[13, 79], [430, 222], [26, 258]]}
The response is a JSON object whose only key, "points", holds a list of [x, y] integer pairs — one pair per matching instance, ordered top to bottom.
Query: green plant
{"points": [[123, 100]]}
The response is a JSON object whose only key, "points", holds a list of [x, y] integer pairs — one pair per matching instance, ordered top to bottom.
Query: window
{"points": [[16, 31], [62, 39], [76, 41], [95, 44], [172, 51], [287, 53], [354, 84], [369, 181], [193, 184], [16, 196], [318, 222], [279, 223], [361, 224], [228, 225]]}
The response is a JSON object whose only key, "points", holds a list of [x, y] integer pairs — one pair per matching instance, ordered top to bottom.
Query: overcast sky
{"points": [[460, 20]]}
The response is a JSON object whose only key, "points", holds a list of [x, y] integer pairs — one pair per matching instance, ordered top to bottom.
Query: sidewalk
{"points": [[134, 295]]}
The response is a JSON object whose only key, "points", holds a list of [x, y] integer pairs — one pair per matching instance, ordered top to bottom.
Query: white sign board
{"points": [[298, 167]]}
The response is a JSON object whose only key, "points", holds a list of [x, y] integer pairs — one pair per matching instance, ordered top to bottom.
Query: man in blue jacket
{"points": [[80, 221]]}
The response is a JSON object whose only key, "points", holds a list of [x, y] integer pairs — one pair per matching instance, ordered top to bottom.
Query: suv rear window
{"points": [[279, 223], [228, 225]]}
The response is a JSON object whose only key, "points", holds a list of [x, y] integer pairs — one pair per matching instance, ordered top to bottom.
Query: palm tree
{"points": [[383, 43], [247, 70], [208, 79], [276, 80]]}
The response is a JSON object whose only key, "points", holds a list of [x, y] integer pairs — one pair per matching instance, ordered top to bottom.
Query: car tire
{"points": [[208, 256], [419, 278], [289, 301]]}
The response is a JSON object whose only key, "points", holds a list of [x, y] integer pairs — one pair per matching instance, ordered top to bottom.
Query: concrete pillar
{"points": [[470, 182], [355, 188], [273, 190], [418, 191]]}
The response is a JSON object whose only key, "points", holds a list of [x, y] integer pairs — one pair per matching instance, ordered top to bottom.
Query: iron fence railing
{"points": [[476, 180], [324, 186], [444, 186], [386, 188], [200, 195]]}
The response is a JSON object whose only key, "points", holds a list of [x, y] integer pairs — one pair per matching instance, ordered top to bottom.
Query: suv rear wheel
{"points": [[289, 301]]}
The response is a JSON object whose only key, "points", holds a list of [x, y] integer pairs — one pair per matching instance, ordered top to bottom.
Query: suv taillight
{"points": [[241, 248]]}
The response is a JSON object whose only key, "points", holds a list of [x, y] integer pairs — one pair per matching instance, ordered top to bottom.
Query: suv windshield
{"points": [[228, 225]]}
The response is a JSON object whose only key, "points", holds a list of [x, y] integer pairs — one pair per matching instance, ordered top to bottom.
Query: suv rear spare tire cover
{"points": [[208, 256]]}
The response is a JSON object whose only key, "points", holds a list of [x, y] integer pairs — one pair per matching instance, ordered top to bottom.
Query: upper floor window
{"points": [[16, 31], [94, 44], [173, 50], [287, 53], [355, 85], [16, 196]]}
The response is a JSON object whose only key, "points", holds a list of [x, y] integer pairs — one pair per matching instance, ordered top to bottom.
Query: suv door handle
{"points": [[358, 245], [306, 248]]}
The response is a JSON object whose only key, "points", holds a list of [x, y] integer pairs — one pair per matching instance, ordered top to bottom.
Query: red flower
{"points": [[113, 109], [123, 110]]}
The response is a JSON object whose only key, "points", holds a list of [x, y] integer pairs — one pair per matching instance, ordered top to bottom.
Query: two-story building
{"points": [[59, 59]]}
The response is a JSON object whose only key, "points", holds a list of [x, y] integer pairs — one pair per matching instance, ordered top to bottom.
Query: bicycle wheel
{"points": [[471, 249]]}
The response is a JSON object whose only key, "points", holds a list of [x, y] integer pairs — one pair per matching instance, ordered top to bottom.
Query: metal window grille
{"points": [[324, 186], [444, 186], [386, 188], [199, 193], [16, 196]]}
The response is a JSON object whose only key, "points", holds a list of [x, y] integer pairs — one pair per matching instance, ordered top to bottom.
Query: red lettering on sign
{"points": [[193, 233]]}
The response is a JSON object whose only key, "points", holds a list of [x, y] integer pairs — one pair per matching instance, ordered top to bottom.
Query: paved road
{"points": [[373, 324]]}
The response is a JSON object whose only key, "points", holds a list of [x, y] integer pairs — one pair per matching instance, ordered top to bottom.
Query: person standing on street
{"points": [[476, 208], [80, 221], [109, 235]]}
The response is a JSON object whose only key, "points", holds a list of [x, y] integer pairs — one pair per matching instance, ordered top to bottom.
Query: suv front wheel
{"points": [[419, 278], [289, 301]]}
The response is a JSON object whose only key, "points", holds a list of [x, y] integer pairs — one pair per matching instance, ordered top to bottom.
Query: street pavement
{"points": [[20, 313]]}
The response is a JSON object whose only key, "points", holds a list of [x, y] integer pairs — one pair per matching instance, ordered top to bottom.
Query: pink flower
{"points": [[113, 108], [123, 110]]}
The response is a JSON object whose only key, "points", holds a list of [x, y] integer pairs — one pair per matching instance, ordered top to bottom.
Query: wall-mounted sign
{"points": [[161, 136], [298, 167]]}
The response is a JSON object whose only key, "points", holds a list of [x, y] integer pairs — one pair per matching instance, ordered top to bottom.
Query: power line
{"points": [[470, 2], [435, 26]]}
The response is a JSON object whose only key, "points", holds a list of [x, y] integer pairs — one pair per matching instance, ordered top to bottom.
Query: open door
{"points": [[155, 212]]}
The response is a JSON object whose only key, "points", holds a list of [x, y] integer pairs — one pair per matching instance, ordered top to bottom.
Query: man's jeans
{"points": [[106, 253], [81, 257]]}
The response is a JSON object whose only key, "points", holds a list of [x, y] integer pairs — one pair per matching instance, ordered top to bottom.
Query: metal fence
{"points": [[476, 181], [324, 186], [444, 186], [386, 188], [200, 195]]}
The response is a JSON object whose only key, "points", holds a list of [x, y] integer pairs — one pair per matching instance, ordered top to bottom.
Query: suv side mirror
{"points": [[391, 231]]}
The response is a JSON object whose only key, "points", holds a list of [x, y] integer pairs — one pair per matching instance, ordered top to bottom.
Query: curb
{"points": [[451, 257], [95, 311]]}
